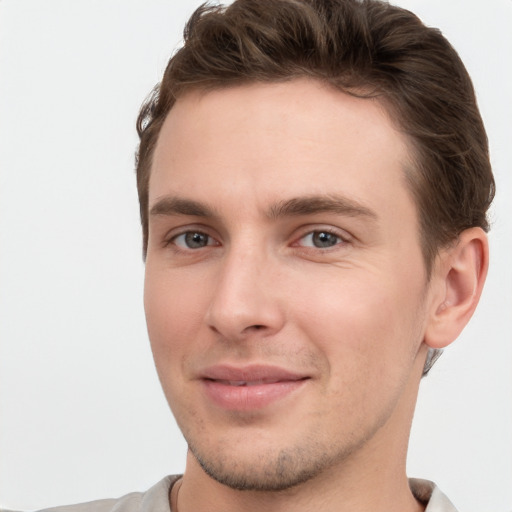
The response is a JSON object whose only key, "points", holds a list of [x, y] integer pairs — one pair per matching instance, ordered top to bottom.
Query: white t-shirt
{"points": [[156, 499]]}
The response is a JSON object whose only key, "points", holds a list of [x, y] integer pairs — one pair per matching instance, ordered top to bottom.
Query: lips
{"points": [[246, 383], [249, 388]]}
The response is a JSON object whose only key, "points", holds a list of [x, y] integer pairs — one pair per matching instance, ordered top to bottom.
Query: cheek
{"points": [[174, 313], [361, 323]]}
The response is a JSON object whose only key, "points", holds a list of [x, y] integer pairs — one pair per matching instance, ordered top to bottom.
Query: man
{"points": [[313, 181]]}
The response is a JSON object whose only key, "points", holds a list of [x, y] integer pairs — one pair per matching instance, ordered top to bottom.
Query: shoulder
{"points": [[430, 495], [155, 499]]}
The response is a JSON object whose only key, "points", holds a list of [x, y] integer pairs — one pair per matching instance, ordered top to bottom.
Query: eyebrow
{"points": [[170, 205], [310, 205], [295, 207]]}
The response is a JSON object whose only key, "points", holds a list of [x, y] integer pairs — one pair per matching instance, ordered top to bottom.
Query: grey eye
{"points": [[320, 239], [324, 239], [193, 240]]}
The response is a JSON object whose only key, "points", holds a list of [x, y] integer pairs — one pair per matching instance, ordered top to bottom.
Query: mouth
{"points": [[245, 382], [249, 388]]}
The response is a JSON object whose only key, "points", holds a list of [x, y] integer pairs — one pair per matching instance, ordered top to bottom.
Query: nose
{"points": [[246, 301]]}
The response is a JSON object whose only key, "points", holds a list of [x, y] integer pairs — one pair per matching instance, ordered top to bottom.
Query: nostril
{"points": [[255, 327]]}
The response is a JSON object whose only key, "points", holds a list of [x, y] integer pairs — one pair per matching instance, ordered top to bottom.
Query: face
{"points": [[285, 287]]}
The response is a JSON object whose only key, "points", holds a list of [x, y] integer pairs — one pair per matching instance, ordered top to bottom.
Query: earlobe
{"points": [[460, 274]]}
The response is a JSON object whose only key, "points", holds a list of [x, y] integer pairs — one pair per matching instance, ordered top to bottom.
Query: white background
{"points": [[82, 415]]}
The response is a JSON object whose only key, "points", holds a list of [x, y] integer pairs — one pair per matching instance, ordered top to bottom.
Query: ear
{"points": [[457, 281]]}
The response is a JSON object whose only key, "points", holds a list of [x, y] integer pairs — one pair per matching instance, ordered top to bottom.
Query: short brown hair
{"points": [[353, 45], [363, 47]]}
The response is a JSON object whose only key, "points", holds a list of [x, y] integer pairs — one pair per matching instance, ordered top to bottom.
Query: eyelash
{"points": [[326, 231], [172, 240], [340, 240]]}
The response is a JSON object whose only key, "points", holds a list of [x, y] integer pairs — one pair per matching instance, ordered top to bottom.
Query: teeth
{"points": [[241, 383], [248, 383]]}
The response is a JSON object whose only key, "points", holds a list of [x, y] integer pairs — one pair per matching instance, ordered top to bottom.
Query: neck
{"points": [[322, 494]]}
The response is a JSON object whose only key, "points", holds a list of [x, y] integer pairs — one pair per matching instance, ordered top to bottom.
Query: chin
{"points": [[269, 471]]}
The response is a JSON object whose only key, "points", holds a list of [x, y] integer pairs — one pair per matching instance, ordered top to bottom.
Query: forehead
{"points": [[276, 140]]}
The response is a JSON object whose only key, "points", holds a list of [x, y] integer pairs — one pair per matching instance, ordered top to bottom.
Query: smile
{"points": [[246, 383], [249, 388]]}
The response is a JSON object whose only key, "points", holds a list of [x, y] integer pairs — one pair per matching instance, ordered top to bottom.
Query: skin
{"points": [[237, 274]]}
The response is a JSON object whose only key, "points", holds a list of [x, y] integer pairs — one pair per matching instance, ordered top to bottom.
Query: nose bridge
{"points": [[245, 298]]}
